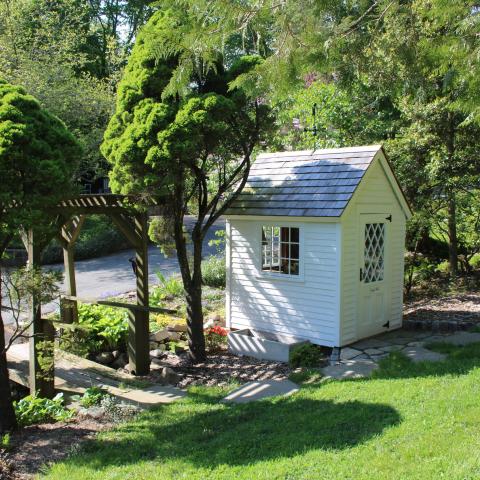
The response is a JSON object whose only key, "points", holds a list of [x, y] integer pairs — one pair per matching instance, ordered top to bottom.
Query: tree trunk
{"points": [[452, 235], [192, 283], [196, 338], [7, 414]]}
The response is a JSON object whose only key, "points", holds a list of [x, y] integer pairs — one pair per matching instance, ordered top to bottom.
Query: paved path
{"points": [[112, 275], [361, 358], [74, 374], [252, 391]]}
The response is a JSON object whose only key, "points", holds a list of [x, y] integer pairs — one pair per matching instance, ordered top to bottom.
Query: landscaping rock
{"points": [[213, 321], [177, 327], [160, 336], [174, 336], [179, 348], [158, 352], [116, 354], [105, 358], [121, 361], [169, 375], [96, 413]]}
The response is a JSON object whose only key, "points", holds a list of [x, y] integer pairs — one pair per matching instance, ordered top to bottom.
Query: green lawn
{"points": [[409, 422]]}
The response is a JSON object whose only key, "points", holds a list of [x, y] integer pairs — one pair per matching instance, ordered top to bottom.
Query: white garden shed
{"points": [[315, 246]]}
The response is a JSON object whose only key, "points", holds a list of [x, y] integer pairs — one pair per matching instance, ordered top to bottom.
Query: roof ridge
{"points": [[324, 151]]}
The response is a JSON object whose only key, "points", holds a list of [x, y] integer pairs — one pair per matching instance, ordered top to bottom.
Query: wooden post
{"points": [[69, 234], [139, 336], [41, 372]]}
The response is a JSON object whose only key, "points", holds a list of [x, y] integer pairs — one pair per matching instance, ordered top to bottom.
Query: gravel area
{"points": [[460, 309], [220, 369]]}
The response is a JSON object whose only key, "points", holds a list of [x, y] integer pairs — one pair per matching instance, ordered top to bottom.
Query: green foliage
{"points": [[38, 156], [98, 237], [218, 242], [214, 271], [169, 288], [99, 328], [216, 338], [306, 355], [93, 396], [32, 409], [5, 441]]}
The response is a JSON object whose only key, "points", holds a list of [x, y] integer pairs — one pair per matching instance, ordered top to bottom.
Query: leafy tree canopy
{"points": [[38, 157]]}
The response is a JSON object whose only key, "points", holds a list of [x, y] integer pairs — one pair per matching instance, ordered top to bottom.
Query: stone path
{"points": [[361, 358], [252, 391]]}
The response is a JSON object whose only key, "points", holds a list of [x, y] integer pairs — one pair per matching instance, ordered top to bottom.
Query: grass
{"points": [[410, 421]]}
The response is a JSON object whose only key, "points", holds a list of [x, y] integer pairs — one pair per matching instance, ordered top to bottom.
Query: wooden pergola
{"points": [[70, 215]]}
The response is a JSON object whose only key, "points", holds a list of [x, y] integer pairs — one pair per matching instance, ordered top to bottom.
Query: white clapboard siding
{"points": [[375, 193], [306, 306]]}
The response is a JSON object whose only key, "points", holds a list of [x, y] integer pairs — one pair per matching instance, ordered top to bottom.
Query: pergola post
{"points": [[68, 236], [42, 334], [139, 336]]}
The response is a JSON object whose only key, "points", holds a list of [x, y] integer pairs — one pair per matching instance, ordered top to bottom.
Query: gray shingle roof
{"points": [[303, 184]]}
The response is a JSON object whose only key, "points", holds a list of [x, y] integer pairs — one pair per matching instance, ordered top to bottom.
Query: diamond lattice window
{"points": [[374, 254]]}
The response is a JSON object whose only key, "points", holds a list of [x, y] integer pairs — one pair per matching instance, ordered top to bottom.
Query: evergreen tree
{"points": [[191, 146], [38, 158]]}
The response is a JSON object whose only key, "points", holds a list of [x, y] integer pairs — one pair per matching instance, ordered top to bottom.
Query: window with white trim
{"points": [[281, 249]]}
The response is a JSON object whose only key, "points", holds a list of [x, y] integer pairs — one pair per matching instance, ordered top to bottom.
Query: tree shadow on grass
{"points": [[241, 434]]}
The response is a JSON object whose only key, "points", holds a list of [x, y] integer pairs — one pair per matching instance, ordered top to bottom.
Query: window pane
{"points": [[294, 235], [280, 250], [294, 267]]}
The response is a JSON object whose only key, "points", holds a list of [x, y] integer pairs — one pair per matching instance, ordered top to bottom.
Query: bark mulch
{"points": [[38, 445]]}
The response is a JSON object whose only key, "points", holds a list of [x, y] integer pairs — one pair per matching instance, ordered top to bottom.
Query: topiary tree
{"points": [[192, 147], [38, 157]]}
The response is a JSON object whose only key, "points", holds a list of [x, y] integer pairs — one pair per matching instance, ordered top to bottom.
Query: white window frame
{"points": [[280, 275]]}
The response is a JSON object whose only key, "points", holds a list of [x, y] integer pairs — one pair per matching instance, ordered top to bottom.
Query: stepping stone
{"points": [[462, 338], [369, 343], [415, 344], [392, 348], [373, 351], [348, 353], [420, 354], [350, 369], [252, 391]]}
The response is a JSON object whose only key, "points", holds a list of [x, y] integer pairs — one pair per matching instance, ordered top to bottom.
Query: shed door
{"points": [[373, 277]]}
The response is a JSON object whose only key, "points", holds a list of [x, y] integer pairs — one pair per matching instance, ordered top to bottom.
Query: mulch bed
{"points": [[451, 313], [219, 369], [39, 445]]}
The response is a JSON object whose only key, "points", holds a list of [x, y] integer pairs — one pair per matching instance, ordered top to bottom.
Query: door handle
{"points": [[361, 274]]}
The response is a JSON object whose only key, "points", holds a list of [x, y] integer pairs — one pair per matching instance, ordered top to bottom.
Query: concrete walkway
{"points": [[361, 358], [75, 374], [252, 391]]}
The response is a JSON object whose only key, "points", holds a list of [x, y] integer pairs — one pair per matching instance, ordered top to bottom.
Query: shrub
{"points": [[214, 272], [169, 288], [163, 320], [99, 328], [215, 337], [306, 355], [92, 396], [33, 409]]}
